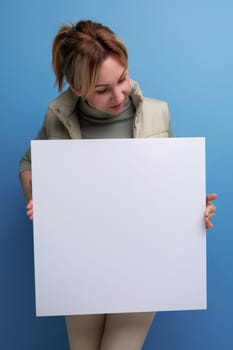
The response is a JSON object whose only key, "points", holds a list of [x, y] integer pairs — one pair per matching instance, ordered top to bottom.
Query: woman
{"points": [[101, 102]]}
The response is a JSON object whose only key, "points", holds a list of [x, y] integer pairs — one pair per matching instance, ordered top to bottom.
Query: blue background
{"points": [[180, 51]]}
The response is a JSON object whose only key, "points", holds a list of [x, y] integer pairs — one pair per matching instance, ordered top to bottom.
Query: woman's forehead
{"points": [[110, 70]]}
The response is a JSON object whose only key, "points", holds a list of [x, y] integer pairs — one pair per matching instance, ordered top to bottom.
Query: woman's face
{"points": [[112, 87]]}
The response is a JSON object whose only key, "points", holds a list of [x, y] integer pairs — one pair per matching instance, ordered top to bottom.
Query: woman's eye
{"points": [[122, 80], [101, 91]]}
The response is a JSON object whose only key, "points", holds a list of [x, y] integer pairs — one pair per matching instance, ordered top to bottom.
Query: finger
{"points": [[211, 197], [29, 204], [210, 208], [210, 211], [29, 212], [211, 215], [208, 216], [30, 217], [208, 224]]}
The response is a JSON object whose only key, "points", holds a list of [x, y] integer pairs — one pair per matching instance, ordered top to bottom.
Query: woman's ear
{"points": [[74, 90]]}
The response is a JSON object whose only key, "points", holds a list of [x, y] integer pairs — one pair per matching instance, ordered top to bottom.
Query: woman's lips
{"points": [[117, 107]]}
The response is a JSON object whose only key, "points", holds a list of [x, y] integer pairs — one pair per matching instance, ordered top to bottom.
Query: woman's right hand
{"points": [[26, 183], [29, 208]]}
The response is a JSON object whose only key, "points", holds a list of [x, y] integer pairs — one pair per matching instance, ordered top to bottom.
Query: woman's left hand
{"points": [[210, 209]]}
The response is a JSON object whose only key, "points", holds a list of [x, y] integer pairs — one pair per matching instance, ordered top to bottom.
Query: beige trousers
{"points": [[126, 331]]}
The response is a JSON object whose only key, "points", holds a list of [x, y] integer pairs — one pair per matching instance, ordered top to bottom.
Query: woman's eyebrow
{"points": [[124, 71]]}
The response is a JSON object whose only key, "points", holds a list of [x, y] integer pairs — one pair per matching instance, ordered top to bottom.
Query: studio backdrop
{"points": [[180, 51]]}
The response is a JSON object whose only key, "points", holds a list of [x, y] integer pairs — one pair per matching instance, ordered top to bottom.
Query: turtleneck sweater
{"points": [[96, 124]]}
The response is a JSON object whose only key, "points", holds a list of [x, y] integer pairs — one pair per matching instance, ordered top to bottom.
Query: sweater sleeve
{"points": [[170, 131], [25, 161]]}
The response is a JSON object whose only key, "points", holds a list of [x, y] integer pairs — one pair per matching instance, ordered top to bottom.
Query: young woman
{"points": [[101, 102]]}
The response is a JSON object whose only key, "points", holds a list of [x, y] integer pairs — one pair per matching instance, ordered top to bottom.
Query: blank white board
{"points": [[118, 225]]}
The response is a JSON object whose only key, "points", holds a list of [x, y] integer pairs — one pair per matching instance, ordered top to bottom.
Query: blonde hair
{"points": [[78, 51]]}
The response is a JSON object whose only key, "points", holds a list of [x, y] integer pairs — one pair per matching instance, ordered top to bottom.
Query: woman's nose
{"points": [[117, 95]]}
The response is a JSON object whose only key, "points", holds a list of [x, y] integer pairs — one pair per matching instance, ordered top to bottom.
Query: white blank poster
{"points": [[118, 225]]}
